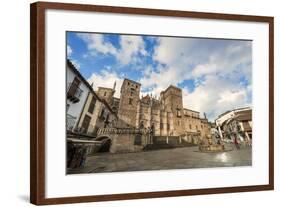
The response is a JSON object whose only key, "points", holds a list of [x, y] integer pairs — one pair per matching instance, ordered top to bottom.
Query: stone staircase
{"points": [[164, 142], [157, 146]]}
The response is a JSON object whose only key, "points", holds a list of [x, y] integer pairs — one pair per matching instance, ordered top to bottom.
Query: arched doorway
{"points": [[105, 143]]}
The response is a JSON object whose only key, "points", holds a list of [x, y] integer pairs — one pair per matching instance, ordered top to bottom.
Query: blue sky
{"points": [[214, 74]]}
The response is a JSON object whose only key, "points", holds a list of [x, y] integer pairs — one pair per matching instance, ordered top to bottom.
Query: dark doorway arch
{"points": [[105, 143]]}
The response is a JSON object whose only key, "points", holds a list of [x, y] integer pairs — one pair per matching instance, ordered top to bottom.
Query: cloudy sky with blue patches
{"points": [[215, 75]]}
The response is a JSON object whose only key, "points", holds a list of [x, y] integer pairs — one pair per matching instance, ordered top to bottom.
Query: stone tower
{"points": [[106, 94], [129, 100], [172, 100]]}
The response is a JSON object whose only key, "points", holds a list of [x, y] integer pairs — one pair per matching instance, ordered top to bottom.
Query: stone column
{"points": [[138, 114]]}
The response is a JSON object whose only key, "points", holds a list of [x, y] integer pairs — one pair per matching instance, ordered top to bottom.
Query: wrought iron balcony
{"points": [[74, 92]]}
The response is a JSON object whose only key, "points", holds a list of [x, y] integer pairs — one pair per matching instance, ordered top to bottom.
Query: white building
{"points": [[77, 90], [86, 111], [229, 115]]}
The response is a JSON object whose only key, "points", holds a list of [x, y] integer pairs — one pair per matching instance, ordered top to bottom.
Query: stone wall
{"points": [[126, 139], [122, 143]]}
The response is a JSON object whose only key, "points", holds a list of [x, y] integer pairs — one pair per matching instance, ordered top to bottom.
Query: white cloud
{"points": [[96, 43], [130, 47], [68, 50], [171, 51], [212, 54], [177, 55], [216, 66], [204, 69], [106, 79], [159, 79], [216, 96]]}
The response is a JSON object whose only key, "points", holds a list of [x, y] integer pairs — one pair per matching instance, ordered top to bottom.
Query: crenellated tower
{"points": [[129, 99]]}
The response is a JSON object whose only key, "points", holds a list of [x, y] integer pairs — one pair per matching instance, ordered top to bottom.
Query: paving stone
{"points": [[176, 158]]}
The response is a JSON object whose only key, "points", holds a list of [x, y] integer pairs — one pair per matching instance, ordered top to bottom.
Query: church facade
{"points": [[165, 115]]}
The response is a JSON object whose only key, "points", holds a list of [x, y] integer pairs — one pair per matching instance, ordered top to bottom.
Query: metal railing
{"points": [[74, 90], [121, 131]]}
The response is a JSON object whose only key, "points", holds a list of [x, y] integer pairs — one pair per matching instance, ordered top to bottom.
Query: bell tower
{"points": [[129, 98], [172, 99]]}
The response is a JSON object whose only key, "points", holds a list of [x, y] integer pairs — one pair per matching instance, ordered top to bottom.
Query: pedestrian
{"points": [[236, 143]]}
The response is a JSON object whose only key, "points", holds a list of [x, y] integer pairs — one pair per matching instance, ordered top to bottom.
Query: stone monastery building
{"points": [[166, 116]]}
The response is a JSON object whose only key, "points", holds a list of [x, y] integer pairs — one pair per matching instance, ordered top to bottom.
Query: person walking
{"points": [[236, 143]]}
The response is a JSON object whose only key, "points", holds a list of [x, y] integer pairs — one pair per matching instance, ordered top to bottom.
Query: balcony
{"points": [[74, 93]]}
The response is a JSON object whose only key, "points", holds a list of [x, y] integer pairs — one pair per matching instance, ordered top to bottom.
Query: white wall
{"points": [[14, 105], [75, 109], [226, 116]]}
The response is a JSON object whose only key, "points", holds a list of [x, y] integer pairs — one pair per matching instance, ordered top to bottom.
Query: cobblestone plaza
{"points": [[164, 159]]}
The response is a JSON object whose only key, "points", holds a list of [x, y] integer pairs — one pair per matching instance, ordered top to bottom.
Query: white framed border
{"points": [[58, 184]]}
